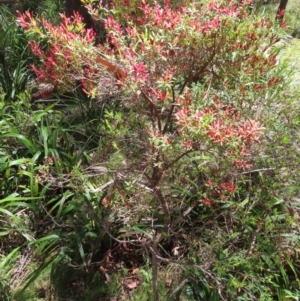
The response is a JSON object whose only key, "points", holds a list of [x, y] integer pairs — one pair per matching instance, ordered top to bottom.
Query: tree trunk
{"points": [[76, 6], [281, 10], [98, 26]]}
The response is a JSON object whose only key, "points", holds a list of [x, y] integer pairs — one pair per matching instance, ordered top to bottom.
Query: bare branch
{"points": [[153, 106]]}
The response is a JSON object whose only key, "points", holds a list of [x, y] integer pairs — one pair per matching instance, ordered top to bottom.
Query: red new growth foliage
{"points": [[280, 14], [157, 55], [61, 63], [140, 72], [218, 132], [228, 187], [208, 202]]}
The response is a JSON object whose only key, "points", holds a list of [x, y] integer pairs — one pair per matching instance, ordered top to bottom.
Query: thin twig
{"points": [[153, 106], [170, 113], [178, 158], [253, 171], [185, 213], [59, 225], [179, 288]]}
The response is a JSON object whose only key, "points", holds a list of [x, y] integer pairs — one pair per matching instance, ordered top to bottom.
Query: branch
{"points": [[118, 73], [197, 74], [153, 106], [170, 113], [179, 157], [253, 171], [166, 211], [185, 213], [179, 288]]}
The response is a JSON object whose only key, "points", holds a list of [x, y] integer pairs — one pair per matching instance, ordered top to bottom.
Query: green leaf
{"points": [[26, 142], [60, 203], [133, 230], [49, 238], [9, 257]]}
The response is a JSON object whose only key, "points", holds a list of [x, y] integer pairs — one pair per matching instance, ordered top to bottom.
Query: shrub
{"points": [[185, 160]]}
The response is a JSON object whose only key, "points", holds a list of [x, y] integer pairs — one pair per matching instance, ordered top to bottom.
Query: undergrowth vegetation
{"points": [[162, 164]]}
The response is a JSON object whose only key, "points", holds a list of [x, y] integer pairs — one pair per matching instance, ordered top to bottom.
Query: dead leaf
{"points": [[175, 251], [135, 271], [108, 278], [168, 281], [133, 284]]}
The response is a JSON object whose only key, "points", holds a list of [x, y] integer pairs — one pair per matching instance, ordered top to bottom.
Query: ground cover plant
{"points": [[170, 149]]}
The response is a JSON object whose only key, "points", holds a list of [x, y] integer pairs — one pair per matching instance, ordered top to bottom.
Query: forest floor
{"points": [[292, 52]]}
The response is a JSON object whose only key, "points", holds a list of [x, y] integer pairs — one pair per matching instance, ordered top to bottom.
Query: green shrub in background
{"points": [[14, 52], [15, 55]]}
